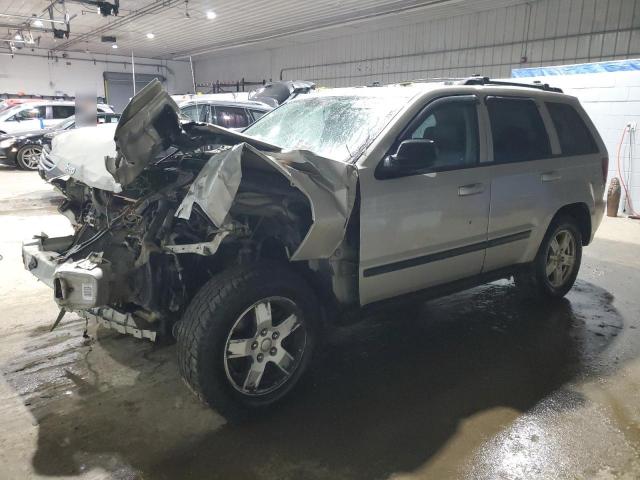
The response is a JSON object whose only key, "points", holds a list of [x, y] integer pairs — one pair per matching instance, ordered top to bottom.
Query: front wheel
{"points": [[28, 157], [555, 268], [247, 337]]}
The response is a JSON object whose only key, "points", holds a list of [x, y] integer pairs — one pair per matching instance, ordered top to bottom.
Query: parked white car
{"points": [[30, 116]]}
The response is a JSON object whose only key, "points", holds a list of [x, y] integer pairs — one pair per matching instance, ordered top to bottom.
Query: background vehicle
{"points": [[228, 114], [238, 114], [31, 116], [24, 149], [332, 204]]}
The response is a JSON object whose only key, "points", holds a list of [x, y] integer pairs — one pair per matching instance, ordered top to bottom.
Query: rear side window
{"points": [[62, 111], [231, 117], [517, 129], [575, 138]]}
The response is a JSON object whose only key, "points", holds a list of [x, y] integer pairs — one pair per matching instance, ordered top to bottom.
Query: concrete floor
{"points": [[479, 385]]}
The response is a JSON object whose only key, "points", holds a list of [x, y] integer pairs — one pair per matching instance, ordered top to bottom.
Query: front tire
{"points": [[28, 157], [555, 268], [247, 337]]}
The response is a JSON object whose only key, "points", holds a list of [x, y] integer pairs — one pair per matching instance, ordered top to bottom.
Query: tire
{"points": [[28, 156], [534, 280], [222, 336]]}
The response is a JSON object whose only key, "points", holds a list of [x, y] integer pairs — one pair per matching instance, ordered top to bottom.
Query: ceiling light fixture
{"points": [[211, 14], [38, 23], [150, 36], [114, 46]]}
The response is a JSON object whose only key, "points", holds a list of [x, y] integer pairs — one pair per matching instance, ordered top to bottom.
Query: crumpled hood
{"points": [[81, 153], [329, 185]]}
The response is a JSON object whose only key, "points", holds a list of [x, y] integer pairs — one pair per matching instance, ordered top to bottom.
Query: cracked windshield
{"points": [[336, 127]]}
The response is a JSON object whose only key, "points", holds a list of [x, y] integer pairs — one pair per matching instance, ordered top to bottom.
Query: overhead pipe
{"points": [[30, 19]]}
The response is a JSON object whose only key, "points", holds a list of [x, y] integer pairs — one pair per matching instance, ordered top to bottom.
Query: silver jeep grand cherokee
{"points": [[333, 203]]}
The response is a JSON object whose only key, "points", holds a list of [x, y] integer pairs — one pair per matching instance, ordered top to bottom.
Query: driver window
{"points": [[31, 113], [453, 128]]}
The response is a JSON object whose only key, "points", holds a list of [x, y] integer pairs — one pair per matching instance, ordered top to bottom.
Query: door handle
{"points": [[550, 176], [471, 189]]}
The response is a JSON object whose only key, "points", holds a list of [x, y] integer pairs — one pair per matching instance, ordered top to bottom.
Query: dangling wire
{"points": [[628, 200]]}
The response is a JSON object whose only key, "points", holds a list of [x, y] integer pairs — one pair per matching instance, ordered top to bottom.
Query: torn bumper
{"points": [[40, 258], [76, 285], [121, 322]]}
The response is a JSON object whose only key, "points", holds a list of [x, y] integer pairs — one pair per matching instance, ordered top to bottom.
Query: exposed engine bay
{"points": [[184, 210]]}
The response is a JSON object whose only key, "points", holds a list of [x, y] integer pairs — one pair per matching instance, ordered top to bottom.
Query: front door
{"points": [[427, 228]]}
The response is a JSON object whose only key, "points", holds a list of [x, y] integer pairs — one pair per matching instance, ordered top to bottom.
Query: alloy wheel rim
{"points": [[31, 157], [561, 258], [265, 346]]}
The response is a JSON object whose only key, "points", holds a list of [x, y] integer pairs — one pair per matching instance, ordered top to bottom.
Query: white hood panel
{"points": [[81, 153]]}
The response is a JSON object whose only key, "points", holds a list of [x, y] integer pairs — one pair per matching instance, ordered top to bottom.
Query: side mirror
{"points": [[412, 156]]}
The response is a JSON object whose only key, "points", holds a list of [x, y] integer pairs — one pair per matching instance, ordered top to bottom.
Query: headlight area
{"points": [[9, 142]]}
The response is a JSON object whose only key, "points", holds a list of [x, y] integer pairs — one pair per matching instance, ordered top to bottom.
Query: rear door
{"points": [[525, 168], [428, 228]]}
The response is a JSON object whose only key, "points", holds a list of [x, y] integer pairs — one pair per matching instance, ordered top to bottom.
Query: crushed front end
{"points": [[165, 211]]}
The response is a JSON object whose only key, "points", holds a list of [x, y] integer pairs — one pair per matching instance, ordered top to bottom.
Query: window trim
{"points": [[420, 117], [554, 144]]}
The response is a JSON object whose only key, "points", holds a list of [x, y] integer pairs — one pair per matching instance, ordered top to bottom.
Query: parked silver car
{"points": [[334, 203]]}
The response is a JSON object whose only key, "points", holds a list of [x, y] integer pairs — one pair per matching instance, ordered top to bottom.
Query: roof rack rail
{"points": [[478, 80]]}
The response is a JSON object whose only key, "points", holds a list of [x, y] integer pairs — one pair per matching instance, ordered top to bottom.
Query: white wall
{"points": [[490, 43], [43, 76]]}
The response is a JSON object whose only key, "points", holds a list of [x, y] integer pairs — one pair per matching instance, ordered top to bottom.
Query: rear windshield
{"points": [[336, 127], [574, 136]]}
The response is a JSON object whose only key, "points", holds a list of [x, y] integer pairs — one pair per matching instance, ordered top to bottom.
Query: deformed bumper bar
{"points": [[40, 258], [121, 322]]}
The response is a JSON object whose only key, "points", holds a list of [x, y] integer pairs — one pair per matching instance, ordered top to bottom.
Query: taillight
{"points": [[605, 168]]}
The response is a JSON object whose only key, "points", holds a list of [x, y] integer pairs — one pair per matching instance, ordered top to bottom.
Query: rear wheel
{"points": [[28, 157], [555, 268], [247, 337]]}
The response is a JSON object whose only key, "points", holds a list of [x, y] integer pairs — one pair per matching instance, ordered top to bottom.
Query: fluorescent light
{"points": [[211, 14], [38, 23], [150, 36], [114, 46]]}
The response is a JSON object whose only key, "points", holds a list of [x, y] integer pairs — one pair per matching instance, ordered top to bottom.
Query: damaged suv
{"points": [[334, 203]]}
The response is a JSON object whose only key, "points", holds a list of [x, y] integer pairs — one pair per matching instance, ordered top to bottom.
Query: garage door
{"points": [[119, 87]]}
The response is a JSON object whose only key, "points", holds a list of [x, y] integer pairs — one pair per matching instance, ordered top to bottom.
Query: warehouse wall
{"points": [[492, 42], [66, 76]]}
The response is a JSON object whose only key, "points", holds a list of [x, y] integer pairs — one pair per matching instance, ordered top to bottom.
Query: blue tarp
{"points": [[598, 67]]}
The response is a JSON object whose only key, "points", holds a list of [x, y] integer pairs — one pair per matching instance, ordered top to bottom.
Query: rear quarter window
{"points": [[62, 111], [517, 130], [573, 134]]}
